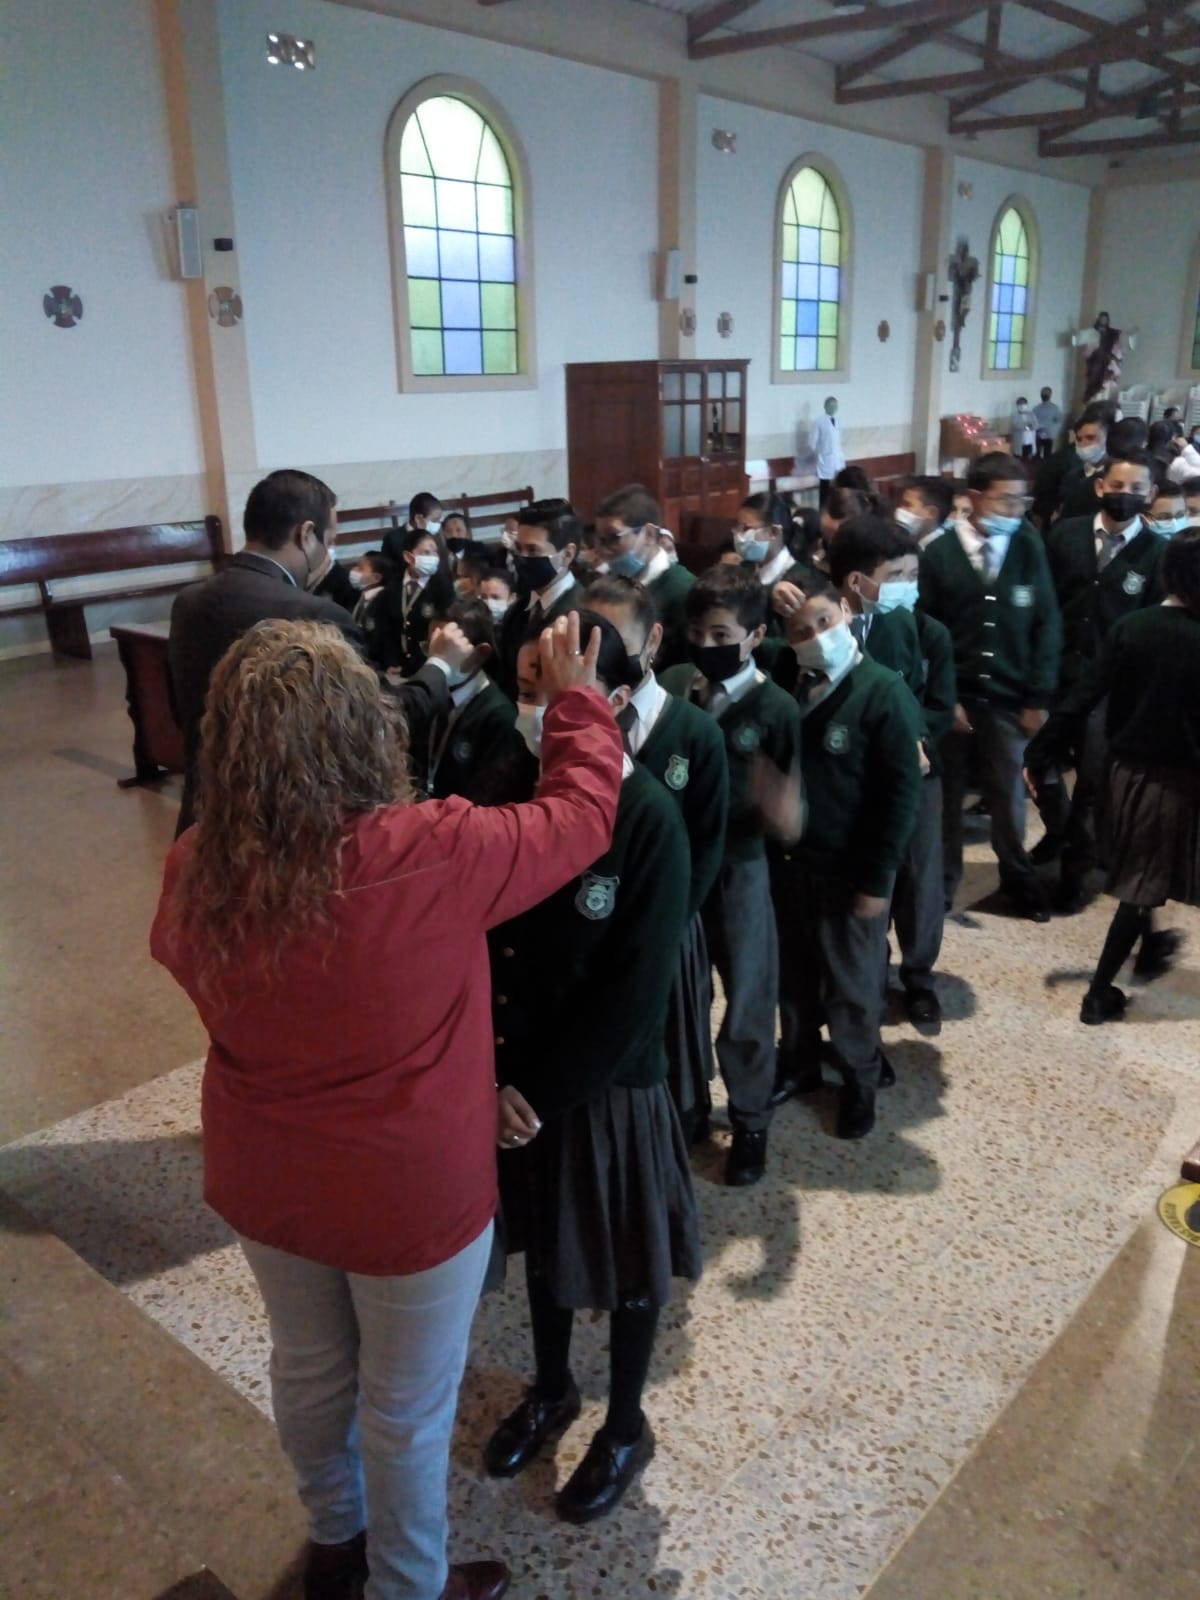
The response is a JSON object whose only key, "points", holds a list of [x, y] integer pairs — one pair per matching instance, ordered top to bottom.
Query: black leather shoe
{"points": [[1048, 848], [1032, 903], [1157, 954], [1104, 1005], [923, 1008], [887, 1072], [792, 1079], [856, 1111], [747, 1159], [522, 1434], [603, 1476], [336, 1571], [477, 1580]]}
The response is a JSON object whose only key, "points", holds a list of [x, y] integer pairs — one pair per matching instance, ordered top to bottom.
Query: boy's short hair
{"points": [[1102, 411], [1127, 435], [1131, 458], [995, 466], [852, 476], [1190, 487], [1165, 489], [936, 492], [842, 503], [422, 504], [633, 505], [771, 507], [557, 520], [864, 543], [476, 558], [383, 565], [1181, 568], [497, 569], [818, 587], [729, 589], [615, 590], [475, 620], [613, 667]]}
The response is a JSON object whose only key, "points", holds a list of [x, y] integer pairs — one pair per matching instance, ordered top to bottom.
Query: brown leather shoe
{"points": [[477, 1580]]}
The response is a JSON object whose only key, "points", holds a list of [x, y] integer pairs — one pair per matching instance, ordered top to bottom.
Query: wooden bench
{"points": [[884, 471], [489, 510], [483, 512], [57, 557], [157, 739]]}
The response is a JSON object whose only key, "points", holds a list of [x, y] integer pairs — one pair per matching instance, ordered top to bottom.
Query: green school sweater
{"points": [[1049, 479], [1077, 495], [669, 592], [1092, 600], [1007, 633], [775, 639], [919, 650], [1149, 667], [764, 721], [476, 753], [686, 753], [862, 778], [581, 983]]}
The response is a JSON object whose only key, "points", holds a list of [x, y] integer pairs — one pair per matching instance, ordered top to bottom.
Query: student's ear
{"points": [[1097, 483], [569, 559], [854, 582], [847, 613], [757, 637], [654, 640], [483, 654], [619, 699]]}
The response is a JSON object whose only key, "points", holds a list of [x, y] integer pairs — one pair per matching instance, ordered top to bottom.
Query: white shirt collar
{"points": [[1123, 537], [927, 539], [973, 541], [659, 563], [771, 571], [553, 592], [740, 685], [822, 690], [463, 693], [648, 700]]}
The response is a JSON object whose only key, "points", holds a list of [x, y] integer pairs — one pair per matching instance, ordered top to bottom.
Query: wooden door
{"points": [[612, 430]]}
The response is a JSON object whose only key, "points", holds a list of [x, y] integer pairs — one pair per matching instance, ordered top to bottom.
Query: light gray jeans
{"points": [[364, 1379]]}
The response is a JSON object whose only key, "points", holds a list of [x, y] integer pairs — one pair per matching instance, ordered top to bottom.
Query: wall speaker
{"points": [[187, 239], [670, 275]]}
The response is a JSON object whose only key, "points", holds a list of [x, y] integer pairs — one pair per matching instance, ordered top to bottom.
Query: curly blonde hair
{"points": [[297, 738]]}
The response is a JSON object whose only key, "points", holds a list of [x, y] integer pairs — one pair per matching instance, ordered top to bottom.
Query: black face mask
{"points": [[1122, 507], [456, 546], [535, 573], [716, 661], [637, 670]]}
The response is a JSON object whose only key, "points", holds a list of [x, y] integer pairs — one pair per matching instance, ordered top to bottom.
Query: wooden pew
{"points": [[489, 510], [57, 557], [157, 740]]}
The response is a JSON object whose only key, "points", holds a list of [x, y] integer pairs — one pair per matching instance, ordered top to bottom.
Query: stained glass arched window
{"points": [[459, 225], [812, 264], [1010, 306]]}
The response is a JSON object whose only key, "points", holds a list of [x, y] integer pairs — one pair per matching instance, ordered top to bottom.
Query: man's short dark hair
{"points": [[1101, 411], [995, 466], [936, 492], [281, 501], [422, 504], [633, 505], [555, 518], [864, 543], [728, 588], [616, 590], [475, 620]]}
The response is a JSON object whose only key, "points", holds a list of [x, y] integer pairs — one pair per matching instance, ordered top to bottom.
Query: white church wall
{"points": [[1148, 282]]}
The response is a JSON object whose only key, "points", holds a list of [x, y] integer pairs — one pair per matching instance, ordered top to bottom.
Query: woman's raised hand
{"points": [[564, 665]]}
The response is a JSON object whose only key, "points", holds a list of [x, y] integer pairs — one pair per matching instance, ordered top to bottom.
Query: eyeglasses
{"points": [[1010, 502]]}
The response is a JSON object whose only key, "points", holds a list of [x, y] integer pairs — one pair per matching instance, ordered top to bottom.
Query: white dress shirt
{"points": [[825, 442], [1185, 465], [1108, 544], [986, 553], [659, 563], [771, 571], [553, 592], [718, 697], [649, 700]]}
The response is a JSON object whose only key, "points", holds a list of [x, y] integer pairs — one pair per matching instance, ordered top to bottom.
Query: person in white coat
{"points": [[825, 442]]}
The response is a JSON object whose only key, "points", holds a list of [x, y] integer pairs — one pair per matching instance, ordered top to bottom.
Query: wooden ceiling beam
{"points": [[716, 16], [871, 19], [910, 39], [1149, 50], [1125, 105], [1049, 146]]}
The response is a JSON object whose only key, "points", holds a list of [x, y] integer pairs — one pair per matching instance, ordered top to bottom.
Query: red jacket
{"points": [[349, 1108]]}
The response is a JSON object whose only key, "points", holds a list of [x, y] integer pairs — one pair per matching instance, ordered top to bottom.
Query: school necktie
{"points": [[1107, 546], [984, 566], [411, 591], [536, 615], [858, 627]]}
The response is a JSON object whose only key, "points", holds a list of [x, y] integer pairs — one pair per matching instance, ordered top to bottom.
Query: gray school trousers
{"points": [[1000, 745], [918, 911], [739, 924], [832, 970], [364, 1380]]}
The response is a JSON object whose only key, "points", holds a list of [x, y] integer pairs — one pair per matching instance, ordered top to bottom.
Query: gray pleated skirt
{"points": [[1152, 835], [690, 1063], [602, 1202]]}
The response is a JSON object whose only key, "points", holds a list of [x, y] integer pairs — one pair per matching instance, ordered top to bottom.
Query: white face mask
{"points": [[1089, 452], [1194, 520], [911, 521], [433, 527], [750, 543], [426, 565], [360, 580], [898, 594], [498, 608], [827, 652], [529, 726]]}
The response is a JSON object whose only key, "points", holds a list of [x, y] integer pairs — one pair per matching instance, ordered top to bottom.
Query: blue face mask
{"points": [[997, 527], [1168, 527], [750, 545], [628, 565], [899, 594]]}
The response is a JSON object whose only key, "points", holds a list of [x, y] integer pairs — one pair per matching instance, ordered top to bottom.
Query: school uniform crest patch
{"points": [[1134, 582], [1022, 595], [427, 610], [748, 737], [837, 739], [461, 751], [676, 775], [597, 896]]}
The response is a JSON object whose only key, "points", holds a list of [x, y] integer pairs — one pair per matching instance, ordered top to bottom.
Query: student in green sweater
{"points": [[1123, 438], [1082, 456], [924, 508], [760, 537], [629, 542], [874, 565], [1104, 566], [988, 582], [1148, 674], [761, 729], [861, 730], [683, 747], [474, 750], [594, 1177]]}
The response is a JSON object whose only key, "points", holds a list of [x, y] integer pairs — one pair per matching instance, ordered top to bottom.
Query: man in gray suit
{"points": [[290, 524]]}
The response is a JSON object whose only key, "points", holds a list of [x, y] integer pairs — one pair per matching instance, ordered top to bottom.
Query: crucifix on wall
{"points": [[964, 270]]}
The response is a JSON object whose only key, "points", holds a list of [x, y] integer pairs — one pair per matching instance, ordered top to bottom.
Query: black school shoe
{"points": [[1031, 902], [1157, 954], [1102, 1005], [923, 1008], [792, 1079], [856, 1111], [747, 1159], [524, 1432], [602, 1477], [336, 1571]]}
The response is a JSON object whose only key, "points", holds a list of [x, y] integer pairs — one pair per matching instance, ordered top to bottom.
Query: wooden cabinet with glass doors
{"points": [[676, 426]]}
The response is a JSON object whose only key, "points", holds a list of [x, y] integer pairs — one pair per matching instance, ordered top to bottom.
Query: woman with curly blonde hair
{"points": [[350, 1123]]}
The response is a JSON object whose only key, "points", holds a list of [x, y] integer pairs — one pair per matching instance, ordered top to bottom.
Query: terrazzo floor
{"points": [[866, 1313]]}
